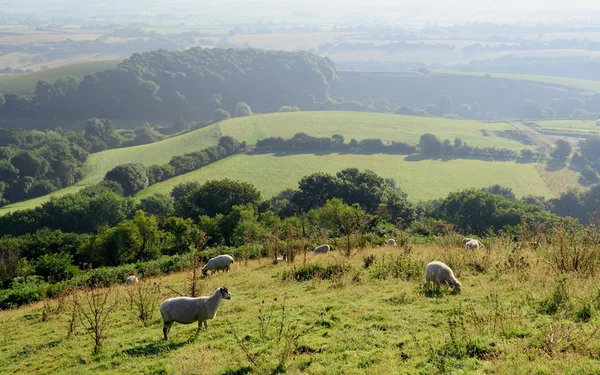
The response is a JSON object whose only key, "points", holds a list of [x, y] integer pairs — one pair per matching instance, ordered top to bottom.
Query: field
{"points": [[24, 84], [582, 84], [361, 125], [569, 128], [155, 153], [421, 180], [375, 320]]}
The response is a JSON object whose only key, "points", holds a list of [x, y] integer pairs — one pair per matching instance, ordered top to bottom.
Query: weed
{"points": [[368, 260], [398, 266], [145, 298], [558, 300], [94, 312]]}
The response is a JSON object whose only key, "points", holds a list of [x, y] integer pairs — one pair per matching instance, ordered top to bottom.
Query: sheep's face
{"points": [[204, 272], [457, 286], [224, 292]]}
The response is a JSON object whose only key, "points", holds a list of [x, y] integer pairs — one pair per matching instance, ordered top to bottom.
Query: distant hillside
{"points": [[24, 84], [155, 153]]}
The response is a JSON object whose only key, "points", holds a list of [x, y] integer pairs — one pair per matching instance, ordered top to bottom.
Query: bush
{"points": [[242, 109], [132, 177], [56, 267], [316, 270]]}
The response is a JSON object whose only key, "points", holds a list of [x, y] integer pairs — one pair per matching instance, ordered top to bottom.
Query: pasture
{"points": [[24, 84], [361, 125], [569, 128], [155, 153], [420, 179], [375, 318]]}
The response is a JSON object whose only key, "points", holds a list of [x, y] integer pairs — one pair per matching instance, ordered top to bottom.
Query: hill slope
{"points": [[24, 84], [361, 125], [155, 153], [422, 180], [372, 322]]}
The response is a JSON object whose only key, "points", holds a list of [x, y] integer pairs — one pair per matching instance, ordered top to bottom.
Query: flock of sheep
{"points": [[187, 310]]}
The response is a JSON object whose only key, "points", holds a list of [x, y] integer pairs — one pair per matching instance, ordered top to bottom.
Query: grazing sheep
{"points": [[390, 242], [474, 244], [323, 249], [280, 260], [218, 263], [439, 273], [132, 280], [186, 310]]}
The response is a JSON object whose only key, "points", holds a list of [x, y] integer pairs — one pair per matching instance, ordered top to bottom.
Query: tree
{"points": [[444, 106], [242, 109], [531, 109], [464, 110], [548, 112], [220, 115], [179, 123], [102, 130], [429, 144], [562, 151], [589, 175], [132, 177], [502, 191], [219, 197], [158, 204], [341, 219]]}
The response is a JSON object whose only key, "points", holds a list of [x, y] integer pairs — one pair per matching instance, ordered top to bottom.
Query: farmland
{"points": [[24, 84], [361, 125], [568, 128], [421, 180], [373, 321]]}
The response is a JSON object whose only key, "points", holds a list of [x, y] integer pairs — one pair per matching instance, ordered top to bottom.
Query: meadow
{"points": [[24, 84], [581, 84], [361, 125], [573, 128], [154, 153], [421, 180], [514, 315]]}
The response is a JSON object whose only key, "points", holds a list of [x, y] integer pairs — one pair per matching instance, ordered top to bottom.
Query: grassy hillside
{"points": [[24, 84], [361, 125], [573, 128], [155, 153], [421, 180], [371, 323]]}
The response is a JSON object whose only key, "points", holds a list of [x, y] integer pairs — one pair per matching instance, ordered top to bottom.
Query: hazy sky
{"points": [[442, 11]]}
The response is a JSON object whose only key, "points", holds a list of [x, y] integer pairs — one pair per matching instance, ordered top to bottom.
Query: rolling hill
{"points": [[24, 84], [155, 153], [421, 178]]}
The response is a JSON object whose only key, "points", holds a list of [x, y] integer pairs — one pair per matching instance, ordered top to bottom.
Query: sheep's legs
{"points": [[166, 329]]}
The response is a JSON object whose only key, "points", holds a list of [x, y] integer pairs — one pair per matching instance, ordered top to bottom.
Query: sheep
{"points": [[466, 239], [390, 242], [474, 244], [322, 249], [280, 260], [218, 263], [439, 273], [132, 280], [186, 310]]}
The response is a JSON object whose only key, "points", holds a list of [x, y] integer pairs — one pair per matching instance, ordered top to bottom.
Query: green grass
{"points": [[24, 84], [582, 84], [361, 125], [569, 128], [155, 153], [421, 180], [371, 325]]}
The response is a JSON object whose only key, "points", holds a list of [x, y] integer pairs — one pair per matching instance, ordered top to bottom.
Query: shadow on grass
{"points": [[155, 348], [240, 371]]}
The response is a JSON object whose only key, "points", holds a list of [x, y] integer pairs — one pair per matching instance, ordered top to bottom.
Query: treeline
{"points": [[193, 83], [303, 141], [429, 145], [35, 163], [134, 177], [99, 228]]}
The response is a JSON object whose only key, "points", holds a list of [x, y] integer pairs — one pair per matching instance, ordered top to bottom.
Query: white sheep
{"points": [[466, 239], [390, 242], [474, 244], [323, 249], [282, 259], [218, 263], [439, 273], [132, 280], [186, 310]]}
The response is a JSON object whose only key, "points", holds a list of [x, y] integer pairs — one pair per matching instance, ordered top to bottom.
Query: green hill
{"points": [[24, 84], [361, 125], [155, 153], [421, 179], [354, 320]]}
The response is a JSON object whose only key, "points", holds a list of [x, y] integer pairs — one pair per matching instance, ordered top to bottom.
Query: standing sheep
{"points": [[391, 242], [474, 244], [323, 249], [218, 263], [439, 273], [132, 280], [186, 310]]}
